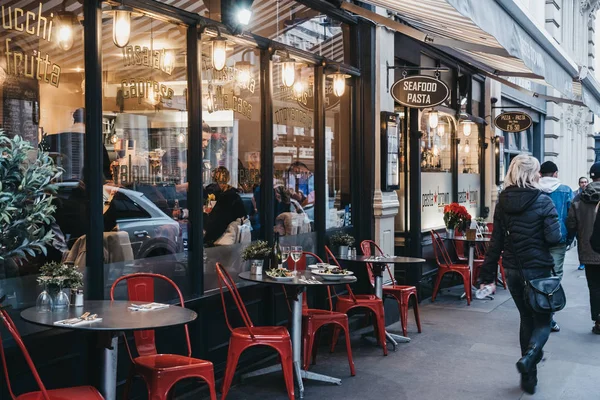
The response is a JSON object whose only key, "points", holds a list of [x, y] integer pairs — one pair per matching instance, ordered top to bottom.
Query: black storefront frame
{"points": [[195, 24]]}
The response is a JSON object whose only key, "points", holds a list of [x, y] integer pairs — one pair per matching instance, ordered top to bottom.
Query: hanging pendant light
{"points": [[121, 25], [66, 29], [169, 61], [288, 70], [243, 73], [339, 82], [298, 88], [210, 101], [434, 119], [466, 127], [441, 130], [467, 147]]}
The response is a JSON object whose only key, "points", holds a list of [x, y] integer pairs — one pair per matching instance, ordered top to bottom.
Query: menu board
{"points": [[20, 108]]}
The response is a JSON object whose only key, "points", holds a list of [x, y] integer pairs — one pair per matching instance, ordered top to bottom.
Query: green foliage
{"points": [[26, 209], [342, 239], [258, 250], [58, 274]]}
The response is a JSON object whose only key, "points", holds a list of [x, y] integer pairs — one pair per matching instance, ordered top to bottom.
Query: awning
{"points": [[486, 36]]}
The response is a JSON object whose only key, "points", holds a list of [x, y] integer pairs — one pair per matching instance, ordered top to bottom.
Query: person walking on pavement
{"points": [[583, 182], [561, 196], [581, 220], [525, 227]]}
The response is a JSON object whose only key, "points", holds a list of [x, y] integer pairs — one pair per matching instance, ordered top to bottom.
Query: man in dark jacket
{"points": [[582, 215]]}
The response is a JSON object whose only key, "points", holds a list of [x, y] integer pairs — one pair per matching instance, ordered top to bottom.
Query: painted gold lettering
{"points": [[19, 27]]}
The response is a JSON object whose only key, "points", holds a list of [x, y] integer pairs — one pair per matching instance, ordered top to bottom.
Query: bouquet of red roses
{"points": [[456, 217]]}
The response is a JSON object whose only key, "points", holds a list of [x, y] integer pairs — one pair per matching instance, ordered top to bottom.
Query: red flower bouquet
{"points": [[456, 217]]}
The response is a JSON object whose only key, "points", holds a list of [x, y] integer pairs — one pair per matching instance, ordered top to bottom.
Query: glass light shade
{"points": [[243, 16], [121, 27], [65, 35], [219, 52], [169, 61], [288, 72], [243, 73], [339, 84], [298, 89], [152, 97], [433, 119], [466, 126], [441, 130], [181, 138], [114, 139], [467, 147]]}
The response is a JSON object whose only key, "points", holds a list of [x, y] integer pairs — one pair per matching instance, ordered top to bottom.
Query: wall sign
{"points": [[419, 91], [513, 121]]}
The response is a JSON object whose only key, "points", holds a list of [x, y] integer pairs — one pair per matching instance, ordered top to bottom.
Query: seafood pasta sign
{"points": [[420, 91]]}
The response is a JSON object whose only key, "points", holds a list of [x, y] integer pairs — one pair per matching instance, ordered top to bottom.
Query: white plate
{"points": [[312, 266], [316, 266], [332, 277], [282, 278]]}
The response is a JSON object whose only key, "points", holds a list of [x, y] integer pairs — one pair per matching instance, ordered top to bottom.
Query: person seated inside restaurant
{"points": [[229, 207]]}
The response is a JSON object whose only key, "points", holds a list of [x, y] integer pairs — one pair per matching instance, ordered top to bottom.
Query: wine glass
{"points": [[296, 252], [285, 253], [44, 301], [62, 301]]}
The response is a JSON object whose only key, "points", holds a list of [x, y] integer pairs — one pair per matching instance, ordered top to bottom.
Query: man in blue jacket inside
{"points": [[561, 196]]}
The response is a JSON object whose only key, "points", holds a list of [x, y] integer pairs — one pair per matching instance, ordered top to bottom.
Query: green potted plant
{"points": [[26, 209], [342, 241], [256, 253], [55, 277]]}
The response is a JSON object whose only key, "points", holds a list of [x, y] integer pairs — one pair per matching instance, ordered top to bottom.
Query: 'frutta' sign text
{"points": [[420, 91], [513, 121]]}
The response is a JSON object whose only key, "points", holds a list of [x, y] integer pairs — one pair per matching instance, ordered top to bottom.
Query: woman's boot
{"points": [[531, 358], [529, 381]]}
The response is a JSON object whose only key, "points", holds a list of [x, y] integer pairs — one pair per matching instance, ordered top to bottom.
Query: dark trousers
{"points": [[592, 273], [535, 327]]}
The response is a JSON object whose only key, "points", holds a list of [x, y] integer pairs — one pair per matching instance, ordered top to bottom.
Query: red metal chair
{"points": [[445, 265], [402, 293], [351, 301], [313, 319], [242, 338], [160, 371], [77, 392]]}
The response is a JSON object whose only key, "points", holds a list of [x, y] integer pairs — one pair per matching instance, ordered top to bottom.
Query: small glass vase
{"points": [[450, 233], [61, 300], [44, 302]]}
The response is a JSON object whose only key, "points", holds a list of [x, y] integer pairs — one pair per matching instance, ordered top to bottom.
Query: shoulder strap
{"points": [[508, 238]]}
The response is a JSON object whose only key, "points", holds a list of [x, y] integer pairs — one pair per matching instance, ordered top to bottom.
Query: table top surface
{"points": [[477, 239], [383, 259], [297, 281], [115, 316]]}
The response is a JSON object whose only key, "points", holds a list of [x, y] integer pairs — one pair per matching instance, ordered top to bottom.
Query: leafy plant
{"points": [[26, 209], [456, 217], [342, 239], [258, 250], [58, 274]]}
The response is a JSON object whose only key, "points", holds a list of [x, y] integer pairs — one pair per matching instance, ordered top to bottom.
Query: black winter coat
{"points": [[532, 221]]}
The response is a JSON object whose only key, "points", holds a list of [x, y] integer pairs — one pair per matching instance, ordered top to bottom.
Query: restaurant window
{"points": [[42, 100], [145, 134], [337, 154], [231, 155], [294, 156]]}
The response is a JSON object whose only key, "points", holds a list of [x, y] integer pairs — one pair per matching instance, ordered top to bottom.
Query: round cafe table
{"points": [[471, 243], [378, 264], [298, 284], [116, 318]]}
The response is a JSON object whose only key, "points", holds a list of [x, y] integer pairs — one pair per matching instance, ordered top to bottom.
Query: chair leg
{"points": [[467, 281], [436, 286], [416, 310], [403, 316], [376, 330], [381, 331], [334, 338], [310, 340], [315, 347], [349, 350], [232, 360], [288, 371], [128, 382], [211, 388], [157, 390]]}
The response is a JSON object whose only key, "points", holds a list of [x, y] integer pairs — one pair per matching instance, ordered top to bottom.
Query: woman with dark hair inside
{"points": [[228, 208], [525, 227]]}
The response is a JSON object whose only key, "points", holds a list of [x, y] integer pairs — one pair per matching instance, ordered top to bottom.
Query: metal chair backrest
{"points": [[365, 246], [440, 250], [331, 258], [227, 280], [140, 287], [12, 329]]}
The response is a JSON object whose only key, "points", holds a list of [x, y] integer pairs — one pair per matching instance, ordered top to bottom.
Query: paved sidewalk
{"points": [[463, 353]]}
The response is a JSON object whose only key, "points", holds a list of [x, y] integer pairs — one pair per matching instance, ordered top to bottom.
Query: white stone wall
{"points": [[568, 130]]}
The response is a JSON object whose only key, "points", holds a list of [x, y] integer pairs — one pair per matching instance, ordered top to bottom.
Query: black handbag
{"points": [[544, 295]]}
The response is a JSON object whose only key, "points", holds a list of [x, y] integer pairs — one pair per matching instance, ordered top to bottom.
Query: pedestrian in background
{"points": [[583, 182], [561, 196], [581, 220], [525, 227]]}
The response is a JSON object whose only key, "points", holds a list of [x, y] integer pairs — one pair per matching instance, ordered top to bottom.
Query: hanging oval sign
{"points": [[420, 91], [513, 121]]}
